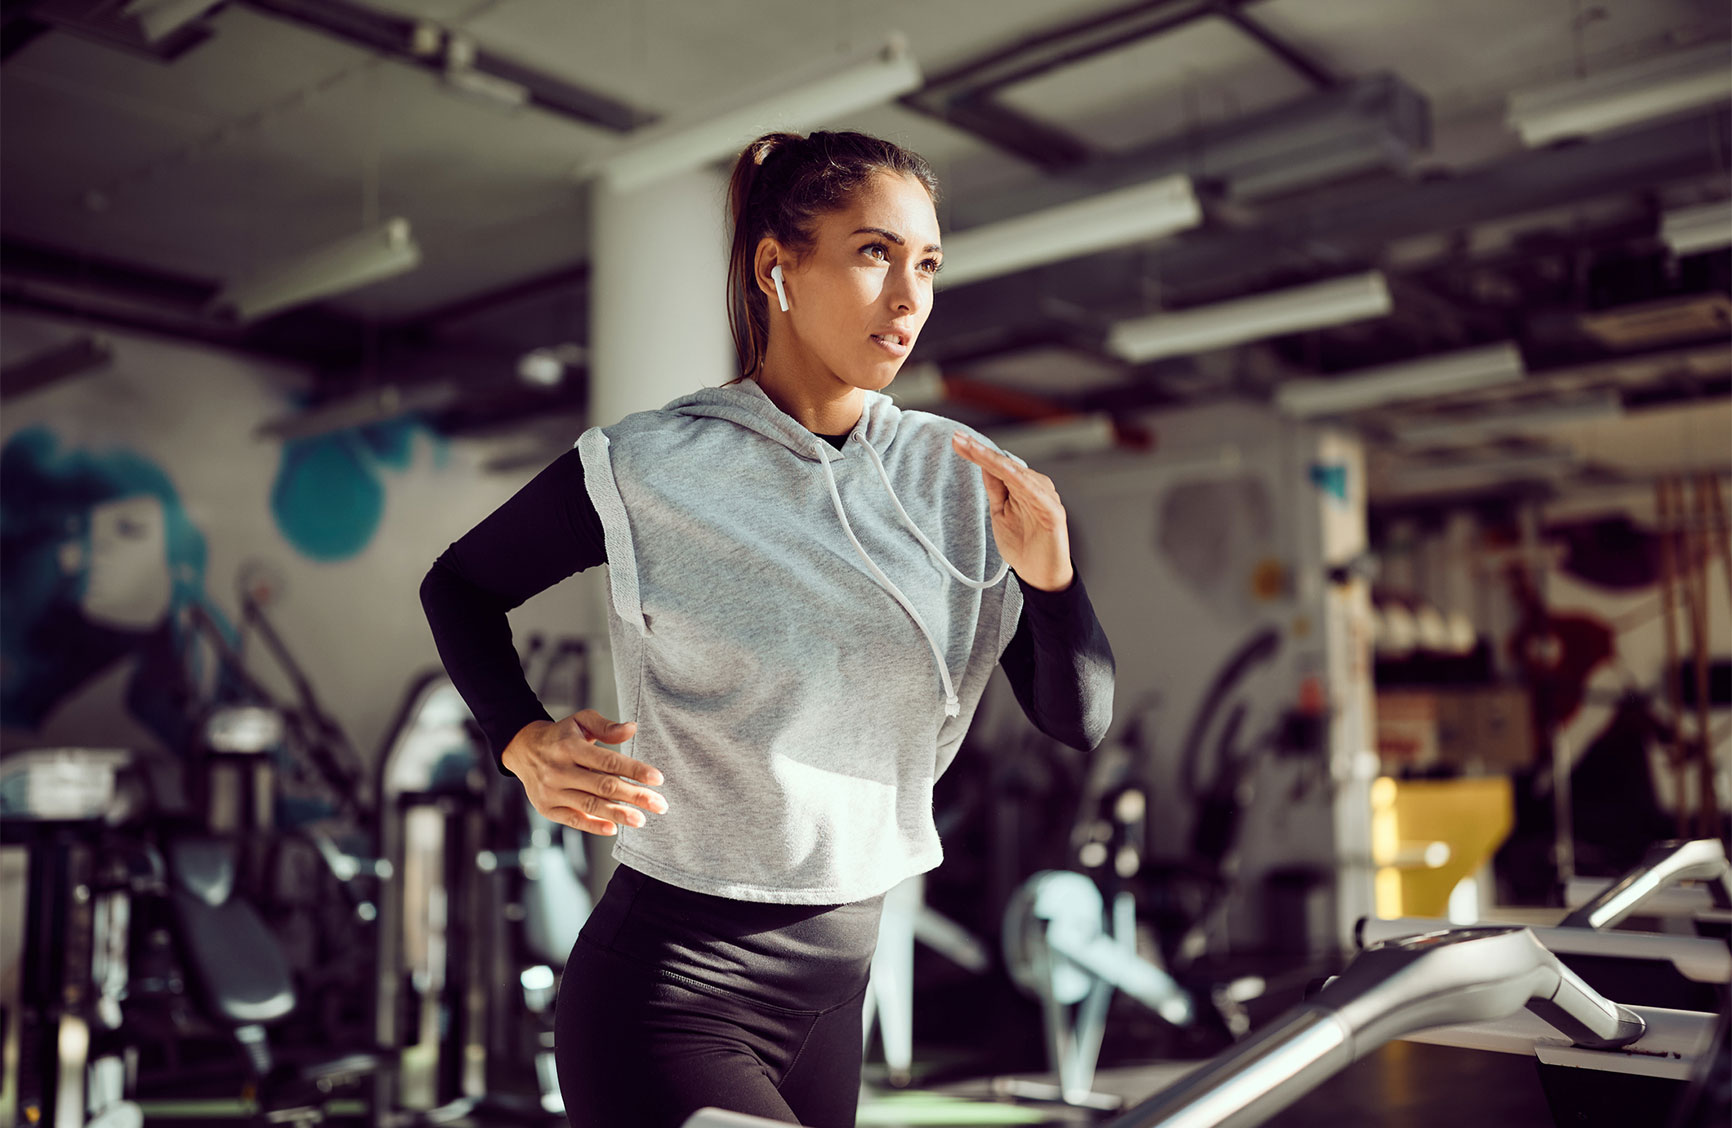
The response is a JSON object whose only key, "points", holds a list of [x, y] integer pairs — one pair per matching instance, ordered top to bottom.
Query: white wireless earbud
{"points": [[781, 294]]}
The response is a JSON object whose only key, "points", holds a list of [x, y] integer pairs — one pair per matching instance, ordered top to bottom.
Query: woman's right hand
{"points": [[571, 779]]}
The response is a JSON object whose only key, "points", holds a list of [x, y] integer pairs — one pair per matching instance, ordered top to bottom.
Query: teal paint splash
{"points": [[1331, 478], [329, 495]]}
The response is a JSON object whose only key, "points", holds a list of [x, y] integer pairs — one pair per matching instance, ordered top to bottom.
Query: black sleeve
{"points": [[543, 533], [1060, 666]]}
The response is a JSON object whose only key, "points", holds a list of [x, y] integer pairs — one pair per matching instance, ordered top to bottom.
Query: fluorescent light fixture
{"points": [[159, 18], [462, 77], [833, 91], [1612, 99], [1701, 228], [1070, 230], [369, 256], [1334, 302], [1462, 371], [372, 406], [1501, 424], [1082, 434], [1511, 468]]}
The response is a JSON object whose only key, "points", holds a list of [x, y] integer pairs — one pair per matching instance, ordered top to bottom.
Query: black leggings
{"points": [[673, 1001]]}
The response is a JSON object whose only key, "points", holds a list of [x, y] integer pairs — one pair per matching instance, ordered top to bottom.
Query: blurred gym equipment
{"points": [[486, 893], [907, 918], [1059, 949], [152, 953], [61, 1067]]}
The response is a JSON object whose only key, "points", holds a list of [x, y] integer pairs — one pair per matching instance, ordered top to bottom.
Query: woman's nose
{"points": [[905, 291]]}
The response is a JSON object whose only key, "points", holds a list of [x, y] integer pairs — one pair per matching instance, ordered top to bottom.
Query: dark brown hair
{"points": [[781, 183]]}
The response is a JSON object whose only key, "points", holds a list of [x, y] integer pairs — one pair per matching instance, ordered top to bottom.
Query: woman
{"points": [[809, 589]]}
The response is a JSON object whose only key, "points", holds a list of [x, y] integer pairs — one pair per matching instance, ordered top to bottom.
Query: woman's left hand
{"points": [[1028, 520]]}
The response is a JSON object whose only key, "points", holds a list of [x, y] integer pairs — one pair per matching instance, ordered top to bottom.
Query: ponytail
{"points": [[780, 184]]}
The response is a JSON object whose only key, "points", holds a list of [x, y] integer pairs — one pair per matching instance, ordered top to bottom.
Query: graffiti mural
{"points": [[329, 494], [98, 563]]}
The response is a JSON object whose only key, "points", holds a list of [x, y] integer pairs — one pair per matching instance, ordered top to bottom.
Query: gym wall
{"points": [[138, 489]]}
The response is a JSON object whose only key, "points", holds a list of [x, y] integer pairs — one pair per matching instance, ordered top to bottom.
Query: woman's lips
{"points": [[892, 347]]}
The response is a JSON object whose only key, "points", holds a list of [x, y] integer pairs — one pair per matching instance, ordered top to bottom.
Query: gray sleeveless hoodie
{"points": [[801, 633]]}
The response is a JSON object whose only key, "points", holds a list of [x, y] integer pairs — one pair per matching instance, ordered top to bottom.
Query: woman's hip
{"points": [[793, 959]]}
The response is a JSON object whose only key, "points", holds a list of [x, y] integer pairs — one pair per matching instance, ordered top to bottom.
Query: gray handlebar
{"points": [[1665, 863], [1391, 989]]}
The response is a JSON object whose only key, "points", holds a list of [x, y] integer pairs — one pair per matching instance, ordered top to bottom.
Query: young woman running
{"points": [[809, 588]]}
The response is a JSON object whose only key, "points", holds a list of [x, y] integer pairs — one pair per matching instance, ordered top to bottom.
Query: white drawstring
{"points": [[932, 549], [952, 706]]}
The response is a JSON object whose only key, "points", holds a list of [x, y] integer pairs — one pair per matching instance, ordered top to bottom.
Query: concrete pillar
{"points": [[658, 320], [658, 328]]}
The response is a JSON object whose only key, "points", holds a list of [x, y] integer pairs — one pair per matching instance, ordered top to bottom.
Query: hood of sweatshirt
{"points": [[746, 403]]}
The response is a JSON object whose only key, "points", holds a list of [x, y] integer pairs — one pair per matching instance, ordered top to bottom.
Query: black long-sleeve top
{"points": [[549, 530]]}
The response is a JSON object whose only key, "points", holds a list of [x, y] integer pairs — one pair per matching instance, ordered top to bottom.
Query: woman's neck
{"points": [[817, 400]]}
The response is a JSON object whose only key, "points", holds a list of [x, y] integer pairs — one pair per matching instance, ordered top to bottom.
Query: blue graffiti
{"points": [[1331, 478], [328, 498], [98, 561]]}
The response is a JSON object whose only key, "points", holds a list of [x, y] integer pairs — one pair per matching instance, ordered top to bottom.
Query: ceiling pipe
{"points": [[451, 53]]}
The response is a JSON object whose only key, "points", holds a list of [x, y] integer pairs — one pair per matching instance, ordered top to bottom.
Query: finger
{"points": [[1003, 463], [1002, 474], [996, 491], [598, 730], [608, 731], [597, 758], [613, 788], [597, 807], [577, 820]]}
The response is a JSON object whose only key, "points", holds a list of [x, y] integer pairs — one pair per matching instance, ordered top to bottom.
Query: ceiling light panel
{"points": [[834, 91], [1623, 96], [1118, 218], [1689, 231], [369, 256], [1336, 301], [1446, 374], [1500, 422]]}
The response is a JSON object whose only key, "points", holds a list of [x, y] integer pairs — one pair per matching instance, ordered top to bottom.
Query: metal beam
{"points": [[108, 24], [429, 45], [963, 95], [1360, 226]]}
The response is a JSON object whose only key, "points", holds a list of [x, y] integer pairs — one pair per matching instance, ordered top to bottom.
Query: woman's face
{"points": [[868, 274], [126, 578]]}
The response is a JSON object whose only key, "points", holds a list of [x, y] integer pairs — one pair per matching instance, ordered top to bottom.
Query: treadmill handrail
{"points": [[1665, 864], [1701, 959], [1389, 990]]}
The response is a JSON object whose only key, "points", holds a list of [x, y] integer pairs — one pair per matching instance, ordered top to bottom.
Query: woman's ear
{"points": [[769, 256]]}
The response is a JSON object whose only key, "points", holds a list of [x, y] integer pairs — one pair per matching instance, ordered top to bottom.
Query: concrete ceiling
{"points": [[269, 137]]}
